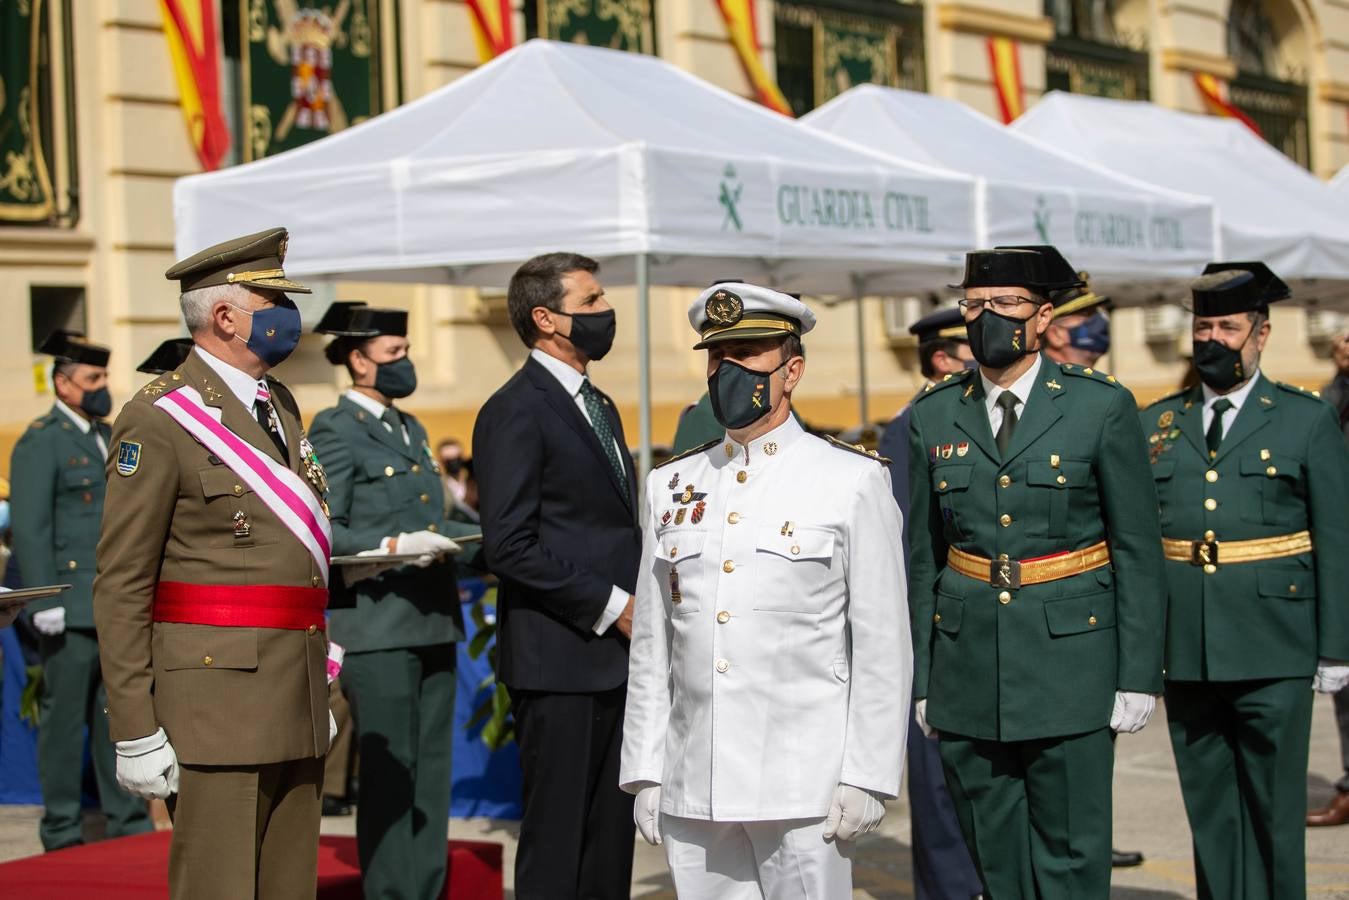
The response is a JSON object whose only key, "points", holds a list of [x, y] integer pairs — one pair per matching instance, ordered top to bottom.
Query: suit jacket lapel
{"points": [[216, 394], [564, 405], [1041, 410], [1252, 416], [973, 417], [1190, 421], [290, 429], [389, 437]]}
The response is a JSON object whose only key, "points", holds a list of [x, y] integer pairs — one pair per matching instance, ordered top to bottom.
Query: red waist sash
{"points": [[240, 605]]}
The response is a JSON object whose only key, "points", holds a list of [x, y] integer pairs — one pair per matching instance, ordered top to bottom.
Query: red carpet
{"points": [[137, 867]]}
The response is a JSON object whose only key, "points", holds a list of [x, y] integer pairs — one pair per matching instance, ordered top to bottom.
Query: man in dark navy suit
{"points": [[556, 496]]}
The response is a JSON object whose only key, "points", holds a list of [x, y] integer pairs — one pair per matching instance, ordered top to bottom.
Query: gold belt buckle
{"points": [[1204, 553], [1004, 573]]}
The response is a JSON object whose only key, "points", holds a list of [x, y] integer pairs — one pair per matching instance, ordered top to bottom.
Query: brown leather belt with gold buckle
{"points": [[1211, 553], [1012, 573]]}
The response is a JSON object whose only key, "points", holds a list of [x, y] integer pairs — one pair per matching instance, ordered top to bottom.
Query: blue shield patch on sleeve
{"points": [[128, 457]]}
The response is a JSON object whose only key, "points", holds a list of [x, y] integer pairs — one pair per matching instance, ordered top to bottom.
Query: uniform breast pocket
{"points": [[1162, 470], [378, 483], [950, 483], [1061, 487], [81, 491], [1275, 492], [231, 500], [794, 568], [679, 569]]}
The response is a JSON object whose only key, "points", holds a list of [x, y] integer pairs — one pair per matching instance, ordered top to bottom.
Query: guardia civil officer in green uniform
{"points": [[1253, 480], [57, 504], [1035, 585], [399, 627]]}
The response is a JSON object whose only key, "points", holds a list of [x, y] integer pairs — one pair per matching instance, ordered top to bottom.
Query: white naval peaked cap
{"points": [[737, 310]]}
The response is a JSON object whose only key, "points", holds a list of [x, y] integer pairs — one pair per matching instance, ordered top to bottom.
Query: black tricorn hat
{"points": [[1040, 268], [1272, 287], [1225, 292], [356, 319], [944, 323], [71, 346], [167, 356]]}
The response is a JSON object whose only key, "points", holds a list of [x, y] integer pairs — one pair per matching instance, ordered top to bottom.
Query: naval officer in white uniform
{"points": [[771, 663]]}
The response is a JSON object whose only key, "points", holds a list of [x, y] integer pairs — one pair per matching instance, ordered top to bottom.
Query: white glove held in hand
{"points": [[426, 543], [50, 622], [1331, 677], [1132, 711], [920, 716], [332, 729], [148, 767], [854, 812], [646, 813]]}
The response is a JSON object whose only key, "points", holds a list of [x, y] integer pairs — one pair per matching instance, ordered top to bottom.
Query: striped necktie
{"points": [[262, 408]]}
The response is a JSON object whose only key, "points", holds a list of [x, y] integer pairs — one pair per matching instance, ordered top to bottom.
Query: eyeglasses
{"points": [[1004, 304]]}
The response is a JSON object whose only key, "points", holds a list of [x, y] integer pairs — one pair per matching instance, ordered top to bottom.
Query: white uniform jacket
{"points": [[771, 657]]}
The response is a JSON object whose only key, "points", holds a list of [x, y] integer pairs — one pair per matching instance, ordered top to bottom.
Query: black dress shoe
{"points": [[335, 806], [1119, 859]]}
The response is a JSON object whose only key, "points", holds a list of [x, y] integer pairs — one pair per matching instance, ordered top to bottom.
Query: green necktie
{"points": [[1008, 401], [394, 421], [599, 421], [1214, 436]]}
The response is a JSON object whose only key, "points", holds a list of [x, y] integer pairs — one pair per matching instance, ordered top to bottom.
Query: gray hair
{"points": [[198, 303]]}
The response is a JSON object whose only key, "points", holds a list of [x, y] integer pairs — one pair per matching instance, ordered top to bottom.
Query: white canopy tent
{"points": [[662, 177], [1269, 208], [1132, 236]]}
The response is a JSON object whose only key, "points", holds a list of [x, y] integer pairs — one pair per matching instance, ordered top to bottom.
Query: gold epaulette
{"points": [[1088, 372], [947, 380], [858, 449], [689, 452]]}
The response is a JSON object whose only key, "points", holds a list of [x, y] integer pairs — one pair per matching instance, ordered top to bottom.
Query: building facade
{"points": [[93, 134]]}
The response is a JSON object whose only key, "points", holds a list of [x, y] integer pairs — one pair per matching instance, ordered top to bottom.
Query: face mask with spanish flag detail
{"points": [[740, 396]]}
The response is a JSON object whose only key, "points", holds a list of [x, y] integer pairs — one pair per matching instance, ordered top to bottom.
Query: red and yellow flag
{"points": [[189, 26], [492, 27], [744, 34], [1005, 62], [1212, 90]]}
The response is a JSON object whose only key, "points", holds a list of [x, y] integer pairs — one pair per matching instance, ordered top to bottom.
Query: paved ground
{"points": [[1148, 817]]}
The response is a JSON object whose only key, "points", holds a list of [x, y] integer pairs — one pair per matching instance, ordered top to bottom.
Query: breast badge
{"points": [[674, 481], [688, 496], [698, 511], [679, 515], [665, 517], [242, 527]]}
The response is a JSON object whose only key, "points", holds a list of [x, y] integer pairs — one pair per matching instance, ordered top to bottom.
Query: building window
{"points": [[616, 24], [1265, 40], [1099, 48], [823, 49], [304, 73], [38, 174]]}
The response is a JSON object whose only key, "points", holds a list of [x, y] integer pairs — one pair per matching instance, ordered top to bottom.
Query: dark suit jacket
{"points": [[557, 531]]}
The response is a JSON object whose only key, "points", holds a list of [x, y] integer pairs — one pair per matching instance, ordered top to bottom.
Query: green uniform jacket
{"points": [[1281, 468], [57, 481], [379, 487], [1047, 661]]}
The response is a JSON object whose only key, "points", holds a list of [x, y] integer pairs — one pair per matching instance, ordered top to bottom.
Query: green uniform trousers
{"points": [[73, 700], [403, 704], [1241, 750], [1035, 814], [242, 832]]}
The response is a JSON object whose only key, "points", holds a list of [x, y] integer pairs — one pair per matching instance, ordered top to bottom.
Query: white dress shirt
{"points": [[571, 381], [242, 385], [1020, 389], [1237, 398], [376, 409], [83, 425]]}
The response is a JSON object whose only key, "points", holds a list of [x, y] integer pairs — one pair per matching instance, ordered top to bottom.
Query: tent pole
{"points": [[857, 285], [643, 367]]}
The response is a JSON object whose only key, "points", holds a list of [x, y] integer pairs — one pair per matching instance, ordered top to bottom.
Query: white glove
{"points": [[427, 544], [353, 574], [50, 622], [1331, 677], [1132, 711], [920, 716], [332, 729], [148, 767], [646, 813], [853, 813]]}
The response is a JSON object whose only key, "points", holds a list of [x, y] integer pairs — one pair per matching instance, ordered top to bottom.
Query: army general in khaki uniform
{"points": [[1253, 481], [211, 590]]}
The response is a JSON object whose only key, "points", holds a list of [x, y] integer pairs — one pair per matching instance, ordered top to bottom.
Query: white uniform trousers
{"points": [[780, 859]]}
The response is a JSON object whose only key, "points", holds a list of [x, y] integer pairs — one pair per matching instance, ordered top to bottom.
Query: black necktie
{"points": [[1008, 401], [262, 408], [394, 421], [600, 422], [1214, 436]]}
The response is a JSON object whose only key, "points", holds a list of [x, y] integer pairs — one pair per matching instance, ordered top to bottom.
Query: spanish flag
{"points": [[189, 26], [492, 27], [744, 34], [1005, 62], [1211, 89]]}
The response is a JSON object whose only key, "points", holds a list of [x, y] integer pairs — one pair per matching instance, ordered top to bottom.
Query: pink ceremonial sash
{"points": [[284, 492]]}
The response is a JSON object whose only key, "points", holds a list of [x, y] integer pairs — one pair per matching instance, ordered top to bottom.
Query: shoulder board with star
{"points": [[1089, 372], [948, 380], [164, 384], [1299, 391], [858, 449], [689, 452]]}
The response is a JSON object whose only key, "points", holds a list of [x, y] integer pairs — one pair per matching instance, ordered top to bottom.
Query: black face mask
{"points": [[591, 333], [998, 341], [1219, 366], [396, 379], [740, 396], [96, 404], [452, 467]]}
